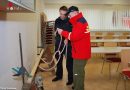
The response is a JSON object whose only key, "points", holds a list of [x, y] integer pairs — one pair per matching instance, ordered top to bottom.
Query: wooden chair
{"points": [[98, 33], [110, 33], [126, 33], [93, 37], [108, 37], [122, 37], [94, 44], [100, 44], [110, 44], [122, 44], [128, 44], [125, 73]]}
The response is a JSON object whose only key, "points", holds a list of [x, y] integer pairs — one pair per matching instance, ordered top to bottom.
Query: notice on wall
{"points": [[3, 5]]}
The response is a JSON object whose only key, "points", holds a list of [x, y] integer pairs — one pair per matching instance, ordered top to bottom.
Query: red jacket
{"points": [[79, 37]]}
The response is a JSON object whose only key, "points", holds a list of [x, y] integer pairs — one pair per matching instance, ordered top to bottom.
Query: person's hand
{"points": [[59, 30], [55, 33], [66, 41]]}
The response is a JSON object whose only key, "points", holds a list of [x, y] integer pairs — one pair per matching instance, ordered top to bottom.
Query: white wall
{"points": [[124, 2], [98, 16], [27, 24]]}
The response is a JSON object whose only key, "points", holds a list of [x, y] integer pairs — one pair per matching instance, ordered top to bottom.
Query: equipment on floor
{"points": [[21, 71], [39, 82]]}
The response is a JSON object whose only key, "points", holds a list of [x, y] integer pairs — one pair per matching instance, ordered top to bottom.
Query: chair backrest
{"points": [[98, 33], [110, 33], [126, 33], [93, 37], [108, 37], [122, 37], [110, 44], [122, 44], [128, 44], [125, 58]]}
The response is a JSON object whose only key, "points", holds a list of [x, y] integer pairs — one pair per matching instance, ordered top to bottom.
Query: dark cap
{"points": [[72, 9]]}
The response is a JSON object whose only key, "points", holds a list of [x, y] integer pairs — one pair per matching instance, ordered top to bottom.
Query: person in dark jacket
{"points": [[63, 22], [81, 47]]}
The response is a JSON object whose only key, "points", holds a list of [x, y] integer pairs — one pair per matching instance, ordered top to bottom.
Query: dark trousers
{"points": [[69, 63], [79, 74]]}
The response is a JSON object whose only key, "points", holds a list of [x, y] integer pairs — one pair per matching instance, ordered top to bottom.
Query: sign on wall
{"points": [[3, 4], [121, 18]]}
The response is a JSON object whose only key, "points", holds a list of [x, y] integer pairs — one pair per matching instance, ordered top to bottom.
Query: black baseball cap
{"points": [[72, 8]]}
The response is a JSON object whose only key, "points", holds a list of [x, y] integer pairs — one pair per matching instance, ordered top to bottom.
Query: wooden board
{"points": [[125, 58]]}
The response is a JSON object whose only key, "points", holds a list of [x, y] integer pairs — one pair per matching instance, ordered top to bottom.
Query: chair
{"points": [[98, 33], [110, 33], [126, 33], [93, 37], [108, 37], [122, 37], [94, 44], [100, 44], [110, 44], [122, 44], [128, 44], [111, 58], [125, 73]]}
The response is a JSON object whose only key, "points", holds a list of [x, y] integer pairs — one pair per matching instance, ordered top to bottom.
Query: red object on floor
{"points": [[126, 72]]}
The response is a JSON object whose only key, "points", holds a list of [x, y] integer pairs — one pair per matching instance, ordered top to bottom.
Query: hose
{"points": [[53, 58]]}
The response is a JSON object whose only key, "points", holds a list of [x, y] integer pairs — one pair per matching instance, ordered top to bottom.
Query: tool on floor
{"points": [[53, 58], [22, 71], [39, 82]]}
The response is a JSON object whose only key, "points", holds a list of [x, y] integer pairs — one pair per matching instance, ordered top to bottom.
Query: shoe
{"points": [[56, 79], [69, 83], [73, 87]]}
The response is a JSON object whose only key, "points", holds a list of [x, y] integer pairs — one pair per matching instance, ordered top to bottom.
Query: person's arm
{"points": [[55, 27], [76, 34]]}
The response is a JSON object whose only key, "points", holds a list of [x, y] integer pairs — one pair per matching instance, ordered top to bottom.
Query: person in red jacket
{"points": [[81, 47]]}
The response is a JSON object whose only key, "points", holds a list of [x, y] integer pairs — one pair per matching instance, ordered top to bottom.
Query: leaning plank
{"points": [[34, 69]]}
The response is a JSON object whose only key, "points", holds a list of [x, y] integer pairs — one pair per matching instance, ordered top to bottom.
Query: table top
{"points": [[110, 35], [111, 40], [108, 49]]}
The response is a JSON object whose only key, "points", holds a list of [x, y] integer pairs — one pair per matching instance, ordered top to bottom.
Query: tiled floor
{"points": [[94, 79]]}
